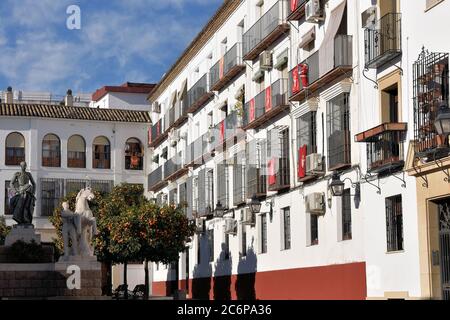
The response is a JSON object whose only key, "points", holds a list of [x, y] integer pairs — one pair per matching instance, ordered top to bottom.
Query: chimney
{"points": [[9, 96], [68, 101]]}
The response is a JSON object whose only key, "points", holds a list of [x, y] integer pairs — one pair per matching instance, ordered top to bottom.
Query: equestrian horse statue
{"points": [[79, 227]]}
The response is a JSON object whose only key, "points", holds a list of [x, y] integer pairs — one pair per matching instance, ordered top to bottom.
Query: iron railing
{"points": [[294, 8], [264, 27], [382, 42], [225, 68], [309, 72], [431, 88], [198, 93], [270, 99], [156, 131], [196, 150], [385, 151], [14, 156], [76, 159], [173, 165], [155, 178], [222, 184], [239, 190]]}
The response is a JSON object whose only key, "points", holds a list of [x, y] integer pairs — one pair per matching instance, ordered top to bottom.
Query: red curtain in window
{"points": [[294, 4], [295, 82], [268, 98], [252, 110], [158, 127], [149, 135], [301, 170], [272, 172]]}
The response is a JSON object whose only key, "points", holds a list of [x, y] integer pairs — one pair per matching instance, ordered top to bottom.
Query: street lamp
{"points": [[442, 122], [336, 186], [255, 204], [219, 209]]}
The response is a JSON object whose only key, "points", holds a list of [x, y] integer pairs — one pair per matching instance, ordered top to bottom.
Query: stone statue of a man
{"points": [[23, 201]]}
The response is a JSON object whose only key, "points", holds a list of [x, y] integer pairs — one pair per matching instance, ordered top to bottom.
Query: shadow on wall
{"points": [[222, 275], [246, 277], [201, 280]]}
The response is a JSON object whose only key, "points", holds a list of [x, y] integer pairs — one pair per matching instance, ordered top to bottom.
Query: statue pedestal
{"points": [[25, 233]]}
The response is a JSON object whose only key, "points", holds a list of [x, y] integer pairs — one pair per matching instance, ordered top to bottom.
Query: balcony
{"points": [[296, 10], [269, 28], [382, 42], [228, 67], [309, 76], [199, 94], [266, 105], [181, 112], [225, 132], [157, 133], [384, 147], [196, 151], [174, 168], [278, 174], [155, 180], [256, 182], [239, 192]]}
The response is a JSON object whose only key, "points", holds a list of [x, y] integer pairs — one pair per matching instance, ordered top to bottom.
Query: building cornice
{"points": [[219, 18]]}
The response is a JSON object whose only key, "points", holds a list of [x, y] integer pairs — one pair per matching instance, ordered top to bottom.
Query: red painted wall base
{"points": [[335, 282]]}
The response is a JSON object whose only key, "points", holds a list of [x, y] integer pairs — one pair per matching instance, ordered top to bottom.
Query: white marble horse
{"points": [[80, 226]]}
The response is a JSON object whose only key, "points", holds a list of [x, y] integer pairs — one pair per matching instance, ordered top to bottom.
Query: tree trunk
{"points": [[125, 281], [147, 282]]}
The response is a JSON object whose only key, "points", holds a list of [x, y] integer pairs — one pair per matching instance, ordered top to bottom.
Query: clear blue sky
{"points": [[119, 40]]}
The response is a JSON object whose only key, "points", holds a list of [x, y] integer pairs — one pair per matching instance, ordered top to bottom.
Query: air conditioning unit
{"points": [[313, 12], [265, 61], [156, 107], [314, 164], [315, 203], [248, 217], [199, 225], [230, 226]]}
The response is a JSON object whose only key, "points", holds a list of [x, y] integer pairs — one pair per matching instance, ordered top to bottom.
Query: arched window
{"points": [[15, 149], [51, 151], [76, 152], [102, 153], [133, 154]]}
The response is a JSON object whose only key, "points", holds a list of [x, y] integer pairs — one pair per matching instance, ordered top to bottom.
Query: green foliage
{"points": [[4, 230], [21, 252]]}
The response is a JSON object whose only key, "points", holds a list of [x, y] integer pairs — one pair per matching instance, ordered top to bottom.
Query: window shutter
{"points": [[201, 192], [189, 196]]}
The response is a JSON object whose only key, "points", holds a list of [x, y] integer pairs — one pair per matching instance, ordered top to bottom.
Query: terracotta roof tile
{"points": [[75, 113]]}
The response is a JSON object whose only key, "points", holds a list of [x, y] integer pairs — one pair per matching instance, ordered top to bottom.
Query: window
{"points": [[389, 101], [338, 132], [306, 140], [15, 149], [51, 151], [76, 152], [102, 153], [133, 154], [278, 155], [222, 184], [210, 189], [51, 193], [8, 196], [173, 197], [346, 215], [286, 223], [394, 223], [313, 232], [263, 233], [243, 239], [211, 244], [227, 247]]}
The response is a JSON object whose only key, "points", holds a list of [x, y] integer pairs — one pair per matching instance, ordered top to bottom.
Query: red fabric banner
{"points": [[294, 4], [221, 68], [304, 75], [295, 82], [268, 98], [252, 110], [158, 128], [222, 130], [149, 135], [301, 170], [271, 171]]}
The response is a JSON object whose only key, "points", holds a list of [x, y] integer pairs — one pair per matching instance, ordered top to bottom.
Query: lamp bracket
{"points": [[366, 178]]}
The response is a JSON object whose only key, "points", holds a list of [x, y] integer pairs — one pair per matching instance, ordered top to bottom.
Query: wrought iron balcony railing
{"points": [[296, 9], [271, 26], [382, 41], [230, 65], [311, 74], [199, 94], [266, 105], [225, 132], [156, 133], [384, 147], [196, 150], [174, 167], [155, 179], [256, 181]]}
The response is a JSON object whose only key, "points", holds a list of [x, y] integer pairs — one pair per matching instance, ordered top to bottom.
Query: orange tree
{"points": [[150, 233]]}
